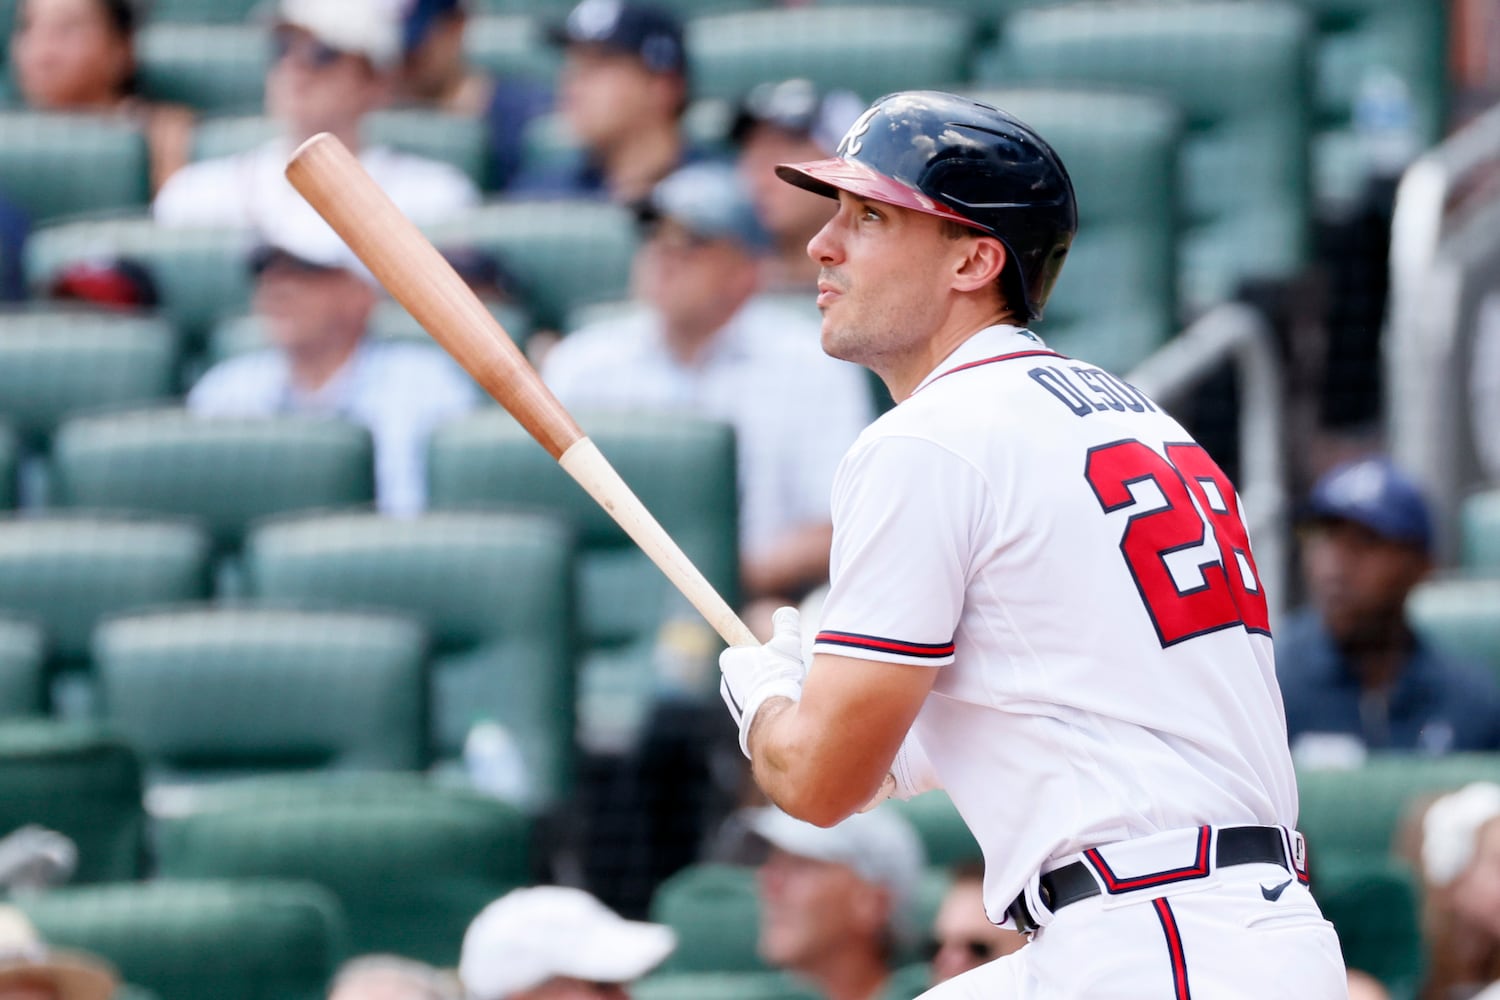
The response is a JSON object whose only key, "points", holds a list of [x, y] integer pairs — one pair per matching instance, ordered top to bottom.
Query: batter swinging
{"points": [[1043, 600]]}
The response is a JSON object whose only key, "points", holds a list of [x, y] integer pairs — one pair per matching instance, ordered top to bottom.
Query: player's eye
{"points": [[868, 214]]}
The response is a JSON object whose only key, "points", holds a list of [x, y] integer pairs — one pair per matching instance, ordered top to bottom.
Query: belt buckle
{"points": [[1020, 915]]}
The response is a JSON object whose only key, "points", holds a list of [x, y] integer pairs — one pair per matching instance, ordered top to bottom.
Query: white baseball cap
{"points": [[369, 28], [1450, 827], [880, 846], [529, 936]]}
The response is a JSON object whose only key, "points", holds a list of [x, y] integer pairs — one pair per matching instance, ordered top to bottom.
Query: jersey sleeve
{"points": [[905, 516]]}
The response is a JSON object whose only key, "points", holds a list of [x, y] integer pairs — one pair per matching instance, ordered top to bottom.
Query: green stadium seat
{"points": [[201, 11], [1353, 40], [514, 43], [871, 51], [214, 68], [1240, 73], [454, 139], [55, 165], [563, 252], [201, 274], [1116, 301], [56, 364], [10, 459], [683, 470], [226, 472], [1479, 532], [67, 572], [495, 591], [1460, 615], [23, 680], [207, 692], [81, 781], [1358, 812], [945, 836], [411, 862], [1374, 907], [715, 910], [189, 940], [721, 986], [128, 991]]}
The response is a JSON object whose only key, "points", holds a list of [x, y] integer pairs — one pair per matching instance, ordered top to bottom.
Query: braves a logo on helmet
{"points": [[852, 143]]}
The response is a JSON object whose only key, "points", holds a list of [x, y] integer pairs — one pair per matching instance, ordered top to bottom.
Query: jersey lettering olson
{"points": [[1086, 391], [1197, 498], [924, 650]]}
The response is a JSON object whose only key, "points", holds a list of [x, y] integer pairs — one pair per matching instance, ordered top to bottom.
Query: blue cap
{"points": [[418, 18], [649, 33], [710, 201], [1372, 492]]}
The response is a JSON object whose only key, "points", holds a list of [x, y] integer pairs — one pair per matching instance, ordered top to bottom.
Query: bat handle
{"points": [[584, 462]]}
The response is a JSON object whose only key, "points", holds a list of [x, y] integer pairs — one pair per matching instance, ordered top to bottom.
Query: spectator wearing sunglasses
{"points": [[334, 62], [962, 936]]}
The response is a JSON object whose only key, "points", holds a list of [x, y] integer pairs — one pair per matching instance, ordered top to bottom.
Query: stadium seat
{"points": [[201, 11], [514, 42], [1353, 42], [871, 51], [215, 68], [1239, 71], [458, 140], [56, 165], [563, 252], [201, 274], [1116, 300], [56, 364], [10, 459], [683, 470], [226, 472], [1479, 532], [67, 572], [495, 591], [1462, 616], [23, 680], [206, 692], [81, 781], [1357, 813], [945, 837], [410, 861], [1374, 907], [715, 910], [189, 940], [721, 986]]}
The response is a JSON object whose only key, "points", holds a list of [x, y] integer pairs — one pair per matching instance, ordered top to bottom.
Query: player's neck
{"points": [[903, 375]]}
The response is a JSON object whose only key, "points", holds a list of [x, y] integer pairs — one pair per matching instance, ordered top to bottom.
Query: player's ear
{"points": [[982, 261]]}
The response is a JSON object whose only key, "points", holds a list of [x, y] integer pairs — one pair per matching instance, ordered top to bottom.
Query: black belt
{"points": [[1237, 845]]}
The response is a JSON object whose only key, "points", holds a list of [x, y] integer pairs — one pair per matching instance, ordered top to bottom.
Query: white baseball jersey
{"points": [[1077, 569]]}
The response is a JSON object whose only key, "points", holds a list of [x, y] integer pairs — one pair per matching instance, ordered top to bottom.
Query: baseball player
{"points": [[1043, 599]]}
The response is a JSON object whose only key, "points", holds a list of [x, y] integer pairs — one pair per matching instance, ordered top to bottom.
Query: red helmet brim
{"points": [[829, 177]]}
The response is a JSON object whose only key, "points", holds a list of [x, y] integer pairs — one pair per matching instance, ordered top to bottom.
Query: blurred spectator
{"points": [[79, 55], [334, 63], [434, 73], [623, 90], [790, 122], [14, 228], [120, 284], [316, 301], [704, 345], [1484, 387], [1354, 676], [1460, 854], [834, 901], [963, 936], [555, 943], [29, 970], [391, 977], [1363, 986]]}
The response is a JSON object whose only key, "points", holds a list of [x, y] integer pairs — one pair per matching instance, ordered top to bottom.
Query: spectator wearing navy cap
{"points": [[435, 73], [622, 92], [789, 122], [1354, 676]]}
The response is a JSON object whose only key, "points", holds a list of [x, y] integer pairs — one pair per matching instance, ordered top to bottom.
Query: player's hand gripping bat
{"points": [[411, 269]]}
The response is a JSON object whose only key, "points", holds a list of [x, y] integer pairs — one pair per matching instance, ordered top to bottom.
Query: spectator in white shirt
{"points": [[334, 63], [316, 301], [705, 345]]}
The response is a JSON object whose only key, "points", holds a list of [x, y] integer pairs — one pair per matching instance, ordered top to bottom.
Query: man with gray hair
{"points": [[836, 901]]}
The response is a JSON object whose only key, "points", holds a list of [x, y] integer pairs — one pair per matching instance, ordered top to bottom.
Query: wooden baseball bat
{"points": [[335, 183]]}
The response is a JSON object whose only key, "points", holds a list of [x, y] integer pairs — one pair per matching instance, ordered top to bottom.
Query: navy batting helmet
{"points": [[965, 161]]}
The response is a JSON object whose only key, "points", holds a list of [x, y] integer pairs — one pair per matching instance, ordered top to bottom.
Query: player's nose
{"points": [[825, 247]]}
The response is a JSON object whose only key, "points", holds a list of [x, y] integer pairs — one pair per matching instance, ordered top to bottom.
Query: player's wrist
{"points": [[764, 704]]}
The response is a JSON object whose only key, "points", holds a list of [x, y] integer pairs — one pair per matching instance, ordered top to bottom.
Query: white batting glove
{"points": [[753, 674], [911, 774]]}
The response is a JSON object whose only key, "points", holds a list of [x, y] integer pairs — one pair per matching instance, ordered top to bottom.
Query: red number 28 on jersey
{"points": [[1227, 592]]}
